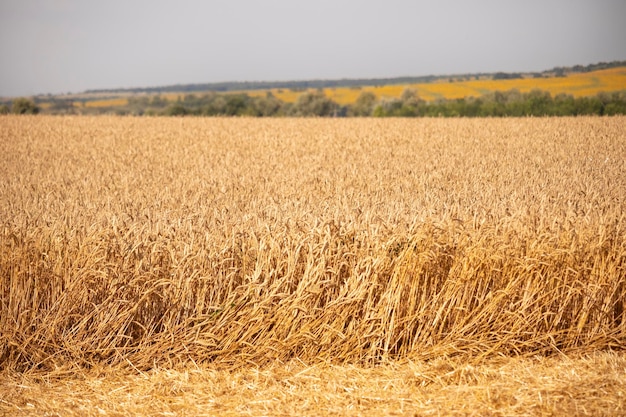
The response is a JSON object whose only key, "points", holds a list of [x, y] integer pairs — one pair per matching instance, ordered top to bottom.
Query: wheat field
{"points": [[349, 266]]}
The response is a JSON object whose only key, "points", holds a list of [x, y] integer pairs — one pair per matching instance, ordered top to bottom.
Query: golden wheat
{"points": [[355, 241], [247, 242]]}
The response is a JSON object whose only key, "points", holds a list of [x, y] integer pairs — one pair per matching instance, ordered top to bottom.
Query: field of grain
{"points": [[307, 266]]}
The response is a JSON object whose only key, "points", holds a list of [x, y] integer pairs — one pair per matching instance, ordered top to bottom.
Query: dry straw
{"points": [[556, 386]]}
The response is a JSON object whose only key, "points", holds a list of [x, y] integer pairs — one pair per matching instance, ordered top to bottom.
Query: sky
{"points": [[63, 46]]}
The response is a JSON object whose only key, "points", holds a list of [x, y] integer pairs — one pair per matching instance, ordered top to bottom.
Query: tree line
{"points": [[233, 86], [315, 103], [510, 103], [20, 106]]}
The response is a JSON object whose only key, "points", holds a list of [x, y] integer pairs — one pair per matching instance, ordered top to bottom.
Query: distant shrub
{"points": [[506, 76], [314, 104], [24, 106], [177, 110]]}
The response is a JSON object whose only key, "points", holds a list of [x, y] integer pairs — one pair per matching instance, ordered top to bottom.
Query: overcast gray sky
{"points": [[56, 46]]}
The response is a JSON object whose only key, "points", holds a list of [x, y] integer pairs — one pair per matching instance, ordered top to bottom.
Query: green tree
{"points": [[158, 101], [411, 103], [538, 103], [614, 103], [314, 104], [364, 104], [215, 105], [236, 105], [268, 105], [564, 105], [589, 105], [24, 106], [389, 108], [4, 109], [177, 109], [379, 111]]}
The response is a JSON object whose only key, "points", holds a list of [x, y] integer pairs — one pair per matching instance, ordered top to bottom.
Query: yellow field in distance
{"points": [[576, 84], [114, 102]]}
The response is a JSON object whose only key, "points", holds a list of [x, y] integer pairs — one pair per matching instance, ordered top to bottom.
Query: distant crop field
{"points": [[576, 84], [112, 102], [322, 261]]}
